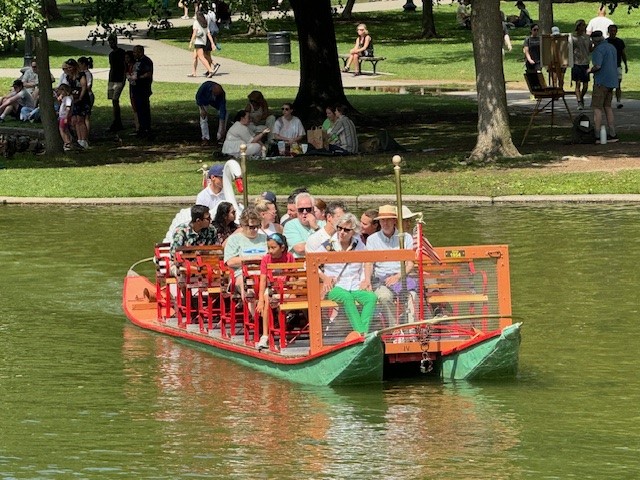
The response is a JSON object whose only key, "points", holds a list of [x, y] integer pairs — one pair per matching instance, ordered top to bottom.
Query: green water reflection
{"points": [[85, 395]]}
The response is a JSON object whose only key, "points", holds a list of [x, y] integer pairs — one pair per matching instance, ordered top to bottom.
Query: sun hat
{"points": [[555, 31], [216, 170], [387, 211], [406, 213]]}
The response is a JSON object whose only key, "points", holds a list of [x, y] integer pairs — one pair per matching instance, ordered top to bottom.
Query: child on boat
{"points": [[278, 252]]}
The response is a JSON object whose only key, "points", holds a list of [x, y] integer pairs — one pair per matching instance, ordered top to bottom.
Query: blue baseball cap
{"points": [[216, 170]]}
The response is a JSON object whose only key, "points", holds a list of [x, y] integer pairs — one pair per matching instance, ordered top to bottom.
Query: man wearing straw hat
{"points": [[385, 278]]}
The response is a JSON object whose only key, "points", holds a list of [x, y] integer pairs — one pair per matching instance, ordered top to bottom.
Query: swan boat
{"points": [[455, 324]]}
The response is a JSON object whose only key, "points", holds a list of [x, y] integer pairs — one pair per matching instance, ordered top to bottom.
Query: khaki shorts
{"points": [[114, 89], [601, 97]]}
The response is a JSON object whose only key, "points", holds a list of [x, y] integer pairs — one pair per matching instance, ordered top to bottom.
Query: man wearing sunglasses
{"points": [[288, 128], [299, 229], [319, 241]]}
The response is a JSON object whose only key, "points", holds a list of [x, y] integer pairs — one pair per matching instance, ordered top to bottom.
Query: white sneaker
{"points": [[84, 144], [263, 343]]}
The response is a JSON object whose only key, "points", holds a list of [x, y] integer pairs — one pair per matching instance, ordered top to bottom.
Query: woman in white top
{"points": [[198, 40], [240, 133], [267, 212], [343, 282]]}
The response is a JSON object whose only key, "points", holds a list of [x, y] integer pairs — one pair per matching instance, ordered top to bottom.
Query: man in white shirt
{"points": [[601, 22], [288, 128], [212, 195], [319, 240], [384, 278]]}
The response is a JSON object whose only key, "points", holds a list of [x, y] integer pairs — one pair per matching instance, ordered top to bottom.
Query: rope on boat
{"points": [[132, 272], [437, 320]]}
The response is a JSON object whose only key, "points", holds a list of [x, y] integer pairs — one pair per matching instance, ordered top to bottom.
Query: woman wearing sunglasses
{"points": [[531, 49], [288, 128], [342, 282]]}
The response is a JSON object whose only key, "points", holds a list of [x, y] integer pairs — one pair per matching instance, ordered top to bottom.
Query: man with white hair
{"points": [[299, 229]]}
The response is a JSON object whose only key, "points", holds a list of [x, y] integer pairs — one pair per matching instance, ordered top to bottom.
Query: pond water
{"points": [[87, 395]]}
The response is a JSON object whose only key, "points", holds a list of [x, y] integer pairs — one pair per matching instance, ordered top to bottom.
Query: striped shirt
{"points": [[345, 130]]}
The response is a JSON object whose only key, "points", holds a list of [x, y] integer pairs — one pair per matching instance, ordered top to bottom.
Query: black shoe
{"points": [[612, 138]]}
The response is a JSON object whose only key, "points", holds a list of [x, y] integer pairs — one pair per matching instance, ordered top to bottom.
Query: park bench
{"points": [[373, 60]]}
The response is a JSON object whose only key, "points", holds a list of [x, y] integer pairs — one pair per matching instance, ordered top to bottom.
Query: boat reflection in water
{"points": [[234, 421]]}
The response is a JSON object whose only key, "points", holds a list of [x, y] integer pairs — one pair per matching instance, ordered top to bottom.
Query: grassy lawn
{"points": [[438, 131]]}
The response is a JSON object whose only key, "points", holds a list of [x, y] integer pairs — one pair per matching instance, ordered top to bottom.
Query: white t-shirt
{"points": [[599, 23], [289, 128]]}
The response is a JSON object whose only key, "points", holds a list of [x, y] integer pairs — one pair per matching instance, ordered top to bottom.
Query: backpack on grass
{"points": [[582, 130]]}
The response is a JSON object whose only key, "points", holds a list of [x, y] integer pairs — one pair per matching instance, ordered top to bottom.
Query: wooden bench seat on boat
{"points": [[288, 283]]}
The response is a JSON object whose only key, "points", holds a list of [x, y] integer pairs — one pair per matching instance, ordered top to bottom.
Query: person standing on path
{"points": [[618, 43], [531, 49], [579, 75], [605, 79], [116, 81], [141, 89]]}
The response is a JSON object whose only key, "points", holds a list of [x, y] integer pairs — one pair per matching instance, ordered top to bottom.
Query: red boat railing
{"points": [[470, 282]]}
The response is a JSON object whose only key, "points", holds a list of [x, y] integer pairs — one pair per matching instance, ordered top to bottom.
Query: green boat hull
{"points": [[494, 358], [360, 363]]}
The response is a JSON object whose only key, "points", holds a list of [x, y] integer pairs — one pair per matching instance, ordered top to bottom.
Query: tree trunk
{"points": [[50, 10], [545, 12], [346, 13], [428, 21], [256, 22], [320, 80], [494, 136], [52, 139]]}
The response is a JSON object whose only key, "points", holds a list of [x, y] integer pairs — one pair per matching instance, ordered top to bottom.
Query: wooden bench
{"points": [[373, 60]]}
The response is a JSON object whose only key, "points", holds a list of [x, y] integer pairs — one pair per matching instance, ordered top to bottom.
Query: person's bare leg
{"points": [[597, 120], [610, 121]]}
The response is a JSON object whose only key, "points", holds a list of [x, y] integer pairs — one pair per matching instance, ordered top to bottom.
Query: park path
{"points": [[173, 64]]}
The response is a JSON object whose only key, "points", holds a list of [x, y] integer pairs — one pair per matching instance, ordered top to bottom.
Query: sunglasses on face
{"points": [[285, 109], [305, 210], [252, 227], [344, 229]]}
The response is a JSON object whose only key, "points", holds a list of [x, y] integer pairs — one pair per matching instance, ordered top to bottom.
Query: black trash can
{"points": [[279, 47]]}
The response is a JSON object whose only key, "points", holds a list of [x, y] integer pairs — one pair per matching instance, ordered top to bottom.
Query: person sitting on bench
{"points": [[363, 48]]}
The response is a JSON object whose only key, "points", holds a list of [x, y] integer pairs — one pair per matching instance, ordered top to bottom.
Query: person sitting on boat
{"points": [[213, 194], [292, 211], [268, 215], [225, 221], [368, 224], [300, 229], [197, 232], [319, 240], [246, 244], [277, 252], [385, 278], [344, 283]]}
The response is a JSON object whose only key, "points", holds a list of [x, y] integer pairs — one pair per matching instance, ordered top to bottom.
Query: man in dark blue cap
{"points": [[212, 194]]}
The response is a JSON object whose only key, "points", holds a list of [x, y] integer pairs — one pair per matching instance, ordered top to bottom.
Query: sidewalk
{"points": [[173, 64]]}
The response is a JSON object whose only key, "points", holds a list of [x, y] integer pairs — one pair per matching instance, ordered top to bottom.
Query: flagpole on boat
{"points": [[396, 160], [243, 166]]}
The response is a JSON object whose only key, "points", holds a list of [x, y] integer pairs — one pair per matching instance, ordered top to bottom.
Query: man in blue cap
{"points": [[212, 194]]}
